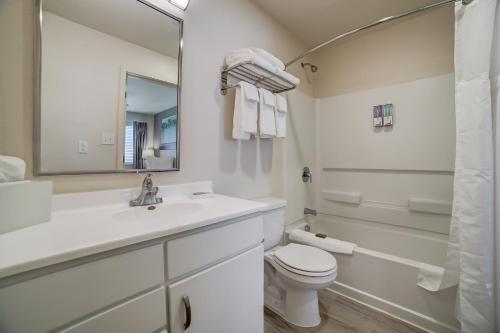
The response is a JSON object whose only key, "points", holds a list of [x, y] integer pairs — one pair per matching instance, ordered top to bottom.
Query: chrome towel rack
{"points": [[256, 75]]}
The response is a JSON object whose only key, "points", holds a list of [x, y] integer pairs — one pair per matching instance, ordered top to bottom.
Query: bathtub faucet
{"points": [[309, 211]]}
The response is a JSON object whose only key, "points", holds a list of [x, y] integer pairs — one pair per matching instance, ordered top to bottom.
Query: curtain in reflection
{"points": [[140, 135]]}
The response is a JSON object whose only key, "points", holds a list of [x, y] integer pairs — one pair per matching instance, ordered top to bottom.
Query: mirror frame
{"points": [[37, 114]]}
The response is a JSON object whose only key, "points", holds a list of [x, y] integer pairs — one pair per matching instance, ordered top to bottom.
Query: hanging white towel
{"points": [[245, 111], [280, 115], [267, 120], [12, 169], [327, 244]]}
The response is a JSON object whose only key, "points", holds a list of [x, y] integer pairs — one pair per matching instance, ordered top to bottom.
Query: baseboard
{"points": [[391, 309]]}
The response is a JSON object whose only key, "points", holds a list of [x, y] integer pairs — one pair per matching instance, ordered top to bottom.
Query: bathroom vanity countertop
{"points": [[76, 233]]}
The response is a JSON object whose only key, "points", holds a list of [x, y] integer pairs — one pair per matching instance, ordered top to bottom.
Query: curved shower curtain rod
{"points": [[368, 26]]}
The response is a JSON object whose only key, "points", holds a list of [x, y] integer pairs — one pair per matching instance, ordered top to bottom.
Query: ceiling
{"points": [[128, 20], [315, 21], [149, 96]]}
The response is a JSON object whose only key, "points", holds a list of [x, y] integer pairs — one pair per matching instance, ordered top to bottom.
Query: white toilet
{"points": [[293, 273]]}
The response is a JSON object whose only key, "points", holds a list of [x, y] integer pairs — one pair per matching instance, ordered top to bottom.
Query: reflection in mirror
{"points": [[109, 87], [150, 124]]}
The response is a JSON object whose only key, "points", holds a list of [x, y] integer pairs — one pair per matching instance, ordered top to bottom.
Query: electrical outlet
{"points": [[107, 138], [83, 147]]}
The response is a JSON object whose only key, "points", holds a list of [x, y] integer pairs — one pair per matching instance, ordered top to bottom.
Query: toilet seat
{"points": [[306, 260]]}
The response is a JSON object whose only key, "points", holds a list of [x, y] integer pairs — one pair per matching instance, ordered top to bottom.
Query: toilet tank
{"points": [[274, 221]]}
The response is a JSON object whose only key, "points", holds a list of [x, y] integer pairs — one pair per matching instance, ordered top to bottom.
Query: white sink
{"points": [[160, 212]]}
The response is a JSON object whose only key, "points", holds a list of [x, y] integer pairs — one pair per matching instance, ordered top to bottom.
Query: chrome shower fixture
{"points": [[314, 68]]}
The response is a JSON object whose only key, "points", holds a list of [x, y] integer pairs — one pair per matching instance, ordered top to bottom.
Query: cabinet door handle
{"points": [[187, 308]]}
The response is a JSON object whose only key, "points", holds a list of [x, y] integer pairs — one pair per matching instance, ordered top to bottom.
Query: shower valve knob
{"points": [[307, 175]]}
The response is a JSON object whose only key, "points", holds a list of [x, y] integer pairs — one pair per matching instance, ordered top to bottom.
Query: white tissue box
{"points": [[24, 203]]}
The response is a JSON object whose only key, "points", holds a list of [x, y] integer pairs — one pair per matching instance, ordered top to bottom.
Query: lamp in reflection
{"points": [[182, 4]]}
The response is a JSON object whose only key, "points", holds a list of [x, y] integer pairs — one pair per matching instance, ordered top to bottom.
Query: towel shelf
{"points": [[256, 75]]}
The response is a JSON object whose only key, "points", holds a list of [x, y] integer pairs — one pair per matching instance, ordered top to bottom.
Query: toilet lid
{"points": [[306, 258]]}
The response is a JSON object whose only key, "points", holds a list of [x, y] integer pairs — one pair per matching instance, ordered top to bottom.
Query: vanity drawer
{"points": [[199, 250], [49, 301], [147, 313]]}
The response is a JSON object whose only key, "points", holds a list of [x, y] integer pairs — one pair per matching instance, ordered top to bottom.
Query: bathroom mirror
{"points": [[108, 87]]}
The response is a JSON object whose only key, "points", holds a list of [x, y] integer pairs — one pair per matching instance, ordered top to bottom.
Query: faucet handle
{"points": [[147, 182]]}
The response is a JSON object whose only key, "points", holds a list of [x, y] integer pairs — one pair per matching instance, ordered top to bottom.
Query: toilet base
{"points": [[297, 307]]}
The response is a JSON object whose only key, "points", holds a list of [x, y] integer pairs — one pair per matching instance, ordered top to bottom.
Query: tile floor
{"points": [[341, 315]]}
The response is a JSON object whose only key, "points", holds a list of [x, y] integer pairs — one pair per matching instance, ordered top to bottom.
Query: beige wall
{"points": [[413, 48], [16, 78], [87, 104], [244, 169]]}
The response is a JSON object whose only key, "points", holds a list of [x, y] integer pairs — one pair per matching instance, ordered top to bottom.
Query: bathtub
{"points": [[386, 281]]}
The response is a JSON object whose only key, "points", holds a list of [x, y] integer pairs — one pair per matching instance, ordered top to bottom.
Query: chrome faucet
{"points": [[148, 194]]}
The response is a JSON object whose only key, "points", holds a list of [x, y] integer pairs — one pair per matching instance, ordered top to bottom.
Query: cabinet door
{"points": [[226, 298], [146, 313]]}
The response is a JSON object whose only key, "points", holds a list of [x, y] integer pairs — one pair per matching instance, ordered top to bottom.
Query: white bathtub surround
{"points": [[245, 111], [280, 115], [267, 121], [12, 169], [87, 223], [327, 244], [473, 249], [393, 255], [359, 277]]}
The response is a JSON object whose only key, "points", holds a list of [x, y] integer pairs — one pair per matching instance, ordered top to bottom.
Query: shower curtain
{"points": [[473, 258]]}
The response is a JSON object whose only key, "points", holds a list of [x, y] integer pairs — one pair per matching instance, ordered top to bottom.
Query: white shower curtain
{"points": [[473, 258]]}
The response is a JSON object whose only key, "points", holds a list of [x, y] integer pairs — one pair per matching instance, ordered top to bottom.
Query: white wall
{"points": [[82, 69], [244, 169]]}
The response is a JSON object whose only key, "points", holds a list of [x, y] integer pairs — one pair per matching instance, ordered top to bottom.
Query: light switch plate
{"points": [[108, 138], [83, 147]]}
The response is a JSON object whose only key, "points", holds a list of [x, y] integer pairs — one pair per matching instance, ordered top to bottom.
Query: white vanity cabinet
{"points": [[212, 277], [225, 298], [52, 301]]}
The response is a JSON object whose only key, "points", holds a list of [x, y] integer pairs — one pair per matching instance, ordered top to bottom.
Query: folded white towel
{"points": [[247, 55], [240, 56], [269, 58], [288, 77], [245, 111], [280, 115], [267, 120], [12, 169], [327, 244]]}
